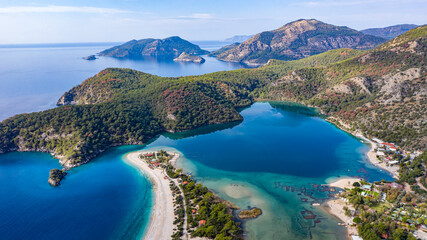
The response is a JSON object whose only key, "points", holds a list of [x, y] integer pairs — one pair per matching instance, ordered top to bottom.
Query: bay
{"points": [[34, 76], [276, 159]]}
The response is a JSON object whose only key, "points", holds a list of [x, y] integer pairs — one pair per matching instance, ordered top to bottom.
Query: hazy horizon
{"points": [[97, 21]]}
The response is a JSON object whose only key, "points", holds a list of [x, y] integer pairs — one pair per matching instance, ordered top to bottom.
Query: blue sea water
{"points": [[33, 77], [274, 159], [105, 199]]}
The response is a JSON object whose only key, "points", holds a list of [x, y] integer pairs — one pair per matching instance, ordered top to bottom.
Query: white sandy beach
{"points": [[372, 156], [344, 183], [335, 208], [161, 220]]}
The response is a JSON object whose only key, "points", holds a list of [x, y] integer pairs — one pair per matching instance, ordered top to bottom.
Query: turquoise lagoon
{"points": [[276, 159]]}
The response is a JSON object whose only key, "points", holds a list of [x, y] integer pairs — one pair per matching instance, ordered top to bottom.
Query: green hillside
{"points": [[382, 92]]}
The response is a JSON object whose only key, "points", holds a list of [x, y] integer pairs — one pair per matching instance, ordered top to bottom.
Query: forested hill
{"points": [[169, 47], [381, 91]]}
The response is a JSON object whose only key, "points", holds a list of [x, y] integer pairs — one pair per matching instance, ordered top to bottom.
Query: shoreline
{"points": [[371, 154], [372, 157], [334, 207], [162, 215]]}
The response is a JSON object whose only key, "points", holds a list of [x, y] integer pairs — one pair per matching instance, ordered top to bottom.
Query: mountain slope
{"points": [[389, 32], [238, 38], [296, 40], [168, 47], [223, 49], [382, 92]]}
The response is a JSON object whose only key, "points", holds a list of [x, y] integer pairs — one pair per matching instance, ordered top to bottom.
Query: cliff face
{"points": [[298, 40], [168, 47]]}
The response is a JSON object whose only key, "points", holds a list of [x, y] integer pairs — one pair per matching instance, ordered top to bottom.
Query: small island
{"points": [[185, 57], [90, 58], [55, 176], [250, 213]]}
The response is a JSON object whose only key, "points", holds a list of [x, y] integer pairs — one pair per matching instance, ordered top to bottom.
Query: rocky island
{"points": [[169, 47], [185, 57], [90, 58], [55, 176], [251, 213]]}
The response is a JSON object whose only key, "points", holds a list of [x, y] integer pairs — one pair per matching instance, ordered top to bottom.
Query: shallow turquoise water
{"points": [[275, 159]]}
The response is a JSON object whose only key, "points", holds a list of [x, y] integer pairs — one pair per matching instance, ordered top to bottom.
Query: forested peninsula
{"points": [[381, 91]]}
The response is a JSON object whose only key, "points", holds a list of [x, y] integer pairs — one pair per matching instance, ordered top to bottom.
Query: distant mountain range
{"points": [[389, 32], [238, 38], [296, 40], [168, 47]]}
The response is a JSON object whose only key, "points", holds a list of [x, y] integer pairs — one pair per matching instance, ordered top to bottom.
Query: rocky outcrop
{"points": [[296, 40], [168, 47], [185, 57], [90, 58], [55, 176], [251, 213]]}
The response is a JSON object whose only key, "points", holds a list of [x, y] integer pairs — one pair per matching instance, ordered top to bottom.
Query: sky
{"points": [[65, 21]]}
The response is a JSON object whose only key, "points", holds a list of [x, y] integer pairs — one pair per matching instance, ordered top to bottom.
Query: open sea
{"points": [[276, 159]]}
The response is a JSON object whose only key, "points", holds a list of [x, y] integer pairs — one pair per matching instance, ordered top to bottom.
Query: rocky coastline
{"points": [[185, 57]]}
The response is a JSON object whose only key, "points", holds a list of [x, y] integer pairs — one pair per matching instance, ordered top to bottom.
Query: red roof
{"points": [[388, 144], [184, 183], [202, 222]]}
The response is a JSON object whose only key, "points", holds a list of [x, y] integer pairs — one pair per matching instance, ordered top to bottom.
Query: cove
{"points": [[276, 159], [104, 199]]}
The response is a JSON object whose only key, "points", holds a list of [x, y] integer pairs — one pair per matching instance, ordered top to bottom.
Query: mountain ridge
{"points": [[389, 32], [296, 40]]}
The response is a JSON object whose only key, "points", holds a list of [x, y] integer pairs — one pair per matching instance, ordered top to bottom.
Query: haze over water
{"points": [[33, 77], [271, 160]]}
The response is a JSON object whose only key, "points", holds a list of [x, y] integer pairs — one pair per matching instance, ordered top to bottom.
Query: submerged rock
{"points": [[185, 57], [55, 176]]}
